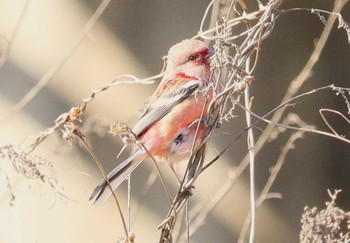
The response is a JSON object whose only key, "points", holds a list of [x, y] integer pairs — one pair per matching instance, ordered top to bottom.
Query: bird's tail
{"points": [[116, 177]]}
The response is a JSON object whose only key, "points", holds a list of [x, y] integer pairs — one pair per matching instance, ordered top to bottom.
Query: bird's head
{"points": [[191, 58]]}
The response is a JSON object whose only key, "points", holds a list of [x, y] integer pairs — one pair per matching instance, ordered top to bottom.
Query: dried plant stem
{"points": [[214, 16], [230, 23], [57, 66], [233, 75], [303, 76], [322, 111], [63, 118], [310, 130], [327, 134], [250, 143], [143, 147], [98, 163], [9, 187], [265, 194], [181, 198], [129, 203], [205, 208], [201, 210], [187, 221]]}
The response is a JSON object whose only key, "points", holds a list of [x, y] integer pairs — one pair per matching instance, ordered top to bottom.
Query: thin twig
{"points": [[293, 88], [322, 111], [63, 118], [327, 134], [250, 143], [143, 147], [104, 174], [265, 194], [203, 209]]}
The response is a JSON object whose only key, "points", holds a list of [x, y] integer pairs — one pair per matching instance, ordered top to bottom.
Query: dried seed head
{"points": [[75, 113], [115, 128], [124, 132], [68, 133]]}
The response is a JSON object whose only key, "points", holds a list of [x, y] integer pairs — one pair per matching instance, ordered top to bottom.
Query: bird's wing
{"points": [[163, 103]]}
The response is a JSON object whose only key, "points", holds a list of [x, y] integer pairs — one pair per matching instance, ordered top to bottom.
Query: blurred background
{"points": [[131, 37]]}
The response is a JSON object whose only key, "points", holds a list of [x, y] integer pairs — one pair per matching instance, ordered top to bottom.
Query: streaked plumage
{"points": [[165, 126]]}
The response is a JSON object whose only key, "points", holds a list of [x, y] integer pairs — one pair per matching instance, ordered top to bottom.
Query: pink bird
{"points": [[168, 125]]}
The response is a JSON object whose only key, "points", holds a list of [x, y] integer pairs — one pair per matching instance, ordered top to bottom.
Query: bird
{"points": [[173, 120]]}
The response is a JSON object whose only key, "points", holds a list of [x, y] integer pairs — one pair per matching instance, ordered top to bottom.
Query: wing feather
{"points": [[163, 105]]}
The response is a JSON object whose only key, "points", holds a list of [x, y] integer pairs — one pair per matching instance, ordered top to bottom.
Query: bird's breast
{"points": [[175, 128]]}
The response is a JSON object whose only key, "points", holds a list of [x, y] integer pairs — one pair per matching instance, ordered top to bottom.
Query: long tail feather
{"points": [[116, 177]]}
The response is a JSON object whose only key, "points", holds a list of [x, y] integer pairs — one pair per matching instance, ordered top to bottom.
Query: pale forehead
{"points": [[186, 46]]}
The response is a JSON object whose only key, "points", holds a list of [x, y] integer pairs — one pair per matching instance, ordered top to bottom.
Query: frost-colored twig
{"points": [[342, 24], [251, 144]]}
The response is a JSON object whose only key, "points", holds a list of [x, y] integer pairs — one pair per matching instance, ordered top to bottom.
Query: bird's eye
{"points": [[192, 58]]}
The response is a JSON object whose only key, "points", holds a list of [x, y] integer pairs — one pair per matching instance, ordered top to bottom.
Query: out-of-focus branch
{"points": [[8, 43], [57, 66], [265, 194]]}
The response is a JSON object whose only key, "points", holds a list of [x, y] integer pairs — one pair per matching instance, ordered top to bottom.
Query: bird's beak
{"points": [[209, 54]]}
